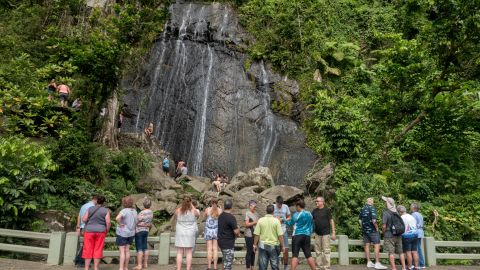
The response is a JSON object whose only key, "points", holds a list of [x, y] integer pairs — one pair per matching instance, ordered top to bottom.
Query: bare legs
{"points": [[376, 252], [212, 253], [188, 254], [124, 257], [142, 257], [285, 258], [412, 258], [310, 261], [392, 261], [87, 263]]}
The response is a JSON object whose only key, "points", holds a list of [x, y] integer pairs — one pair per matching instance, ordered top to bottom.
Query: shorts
{"points": [[63, 96], [166, 169], [285, 238], [373, 238], [123, 241], [301, 242], [93, 243], [141, 243], [409, 244], [393, 245]]}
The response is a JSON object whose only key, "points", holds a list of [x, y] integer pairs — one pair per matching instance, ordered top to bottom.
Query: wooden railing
{"points": [[63, 247]]}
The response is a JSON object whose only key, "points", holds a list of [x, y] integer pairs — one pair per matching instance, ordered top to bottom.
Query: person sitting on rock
{"points": [[149, 130], [224, 180], [217, 183]]}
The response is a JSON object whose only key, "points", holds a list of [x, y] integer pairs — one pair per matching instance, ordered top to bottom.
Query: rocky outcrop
{"points": [[212, 107], [259, 177], [317, 184], [290, 194]]}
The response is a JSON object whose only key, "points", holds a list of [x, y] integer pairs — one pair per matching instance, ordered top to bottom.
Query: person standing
{"points": [[51, 88], [64, 91], [149, 130], [166, 166], [414, 207], [282, 212], [251, 219], [302, 221], [144, 223], [97, 224], [324, 225], [81, 228], [185, 229], [125, 232], [227, 232], [211, 233], [371, 235], [409, 237], [269, 240], [392, 242]]}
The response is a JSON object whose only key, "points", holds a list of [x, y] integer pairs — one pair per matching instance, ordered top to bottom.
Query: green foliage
{"points": [[88, 49], [398, 106], [23, 182]]}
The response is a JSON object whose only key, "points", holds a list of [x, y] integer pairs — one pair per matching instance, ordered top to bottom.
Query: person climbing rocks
{"points": [[51, 88], [64, 91], [77, 103], [120, 120], [149, 130], [166, 166], [178, 171], [217, 183]]}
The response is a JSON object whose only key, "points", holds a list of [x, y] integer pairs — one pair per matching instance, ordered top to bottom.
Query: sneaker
{"points": [[370, 264], [379, 266]]}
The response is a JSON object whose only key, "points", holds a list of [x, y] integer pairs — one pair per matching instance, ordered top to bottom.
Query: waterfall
{"points": [[206, 106], [269, 132], [199, 145]]}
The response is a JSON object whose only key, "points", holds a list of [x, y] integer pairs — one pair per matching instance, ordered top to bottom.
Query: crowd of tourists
{"points": [[265, 236]]}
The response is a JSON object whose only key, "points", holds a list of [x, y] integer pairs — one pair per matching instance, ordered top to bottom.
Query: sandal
{"points": [[138, 267]]}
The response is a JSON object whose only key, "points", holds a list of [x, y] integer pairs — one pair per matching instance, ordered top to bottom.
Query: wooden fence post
{"points": [[71, 247], [55, 248], [164, 249], [430, 251], [343, 258]]}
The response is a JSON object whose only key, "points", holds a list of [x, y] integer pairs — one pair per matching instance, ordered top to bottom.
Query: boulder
{"points": [[260, 177], [155, 180], [317, 183], [290, 194], [167, 195]]}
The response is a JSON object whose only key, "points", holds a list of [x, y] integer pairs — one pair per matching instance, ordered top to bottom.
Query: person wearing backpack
{"points": [[393, 228], [409, 237]]}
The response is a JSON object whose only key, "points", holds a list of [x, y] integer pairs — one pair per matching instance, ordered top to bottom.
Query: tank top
{"points": [[97, 222]]}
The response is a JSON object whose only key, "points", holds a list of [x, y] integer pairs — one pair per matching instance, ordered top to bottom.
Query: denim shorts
{"points": [[373, 238], [285, 239], [123, 241], [141, 243], [409, 244]]}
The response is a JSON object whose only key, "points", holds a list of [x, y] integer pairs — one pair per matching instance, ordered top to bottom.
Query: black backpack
{"points": [[397, 226]]}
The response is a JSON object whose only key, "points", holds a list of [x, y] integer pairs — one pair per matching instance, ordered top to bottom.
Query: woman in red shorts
{"points": [[97, 224]]}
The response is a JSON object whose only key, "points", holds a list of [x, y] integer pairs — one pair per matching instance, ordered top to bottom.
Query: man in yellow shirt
{"points": [[268, 240]]}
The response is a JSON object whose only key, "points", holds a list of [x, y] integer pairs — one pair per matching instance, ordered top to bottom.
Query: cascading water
{"points": [[207, 107], [269, 132], [199, 144]]}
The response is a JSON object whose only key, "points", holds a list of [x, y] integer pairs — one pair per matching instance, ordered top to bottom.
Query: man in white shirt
{"points": [[409, 238]]}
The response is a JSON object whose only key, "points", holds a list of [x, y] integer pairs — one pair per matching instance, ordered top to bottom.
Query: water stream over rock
{"points": [[207, 107]]}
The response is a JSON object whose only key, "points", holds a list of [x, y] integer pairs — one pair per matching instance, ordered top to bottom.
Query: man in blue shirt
{"points": [[302, 222], [81, 225], [421, 234], [371, 235]]}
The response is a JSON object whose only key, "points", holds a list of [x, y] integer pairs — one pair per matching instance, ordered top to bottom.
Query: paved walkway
{"points": [[8, 264]]}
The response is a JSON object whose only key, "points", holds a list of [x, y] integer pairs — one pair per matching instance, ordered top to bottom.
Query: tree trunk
{"points": [[410, 126], [108, 133]]}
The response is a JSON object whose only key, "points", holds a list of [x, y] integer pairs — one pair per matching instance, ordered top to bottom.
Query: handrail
{"points": [[63, 247], [54, 252]]}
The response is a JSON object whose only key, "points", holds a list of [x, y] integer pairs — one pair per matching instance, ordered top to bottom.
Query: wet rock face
{"points": [[207, 107]]}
